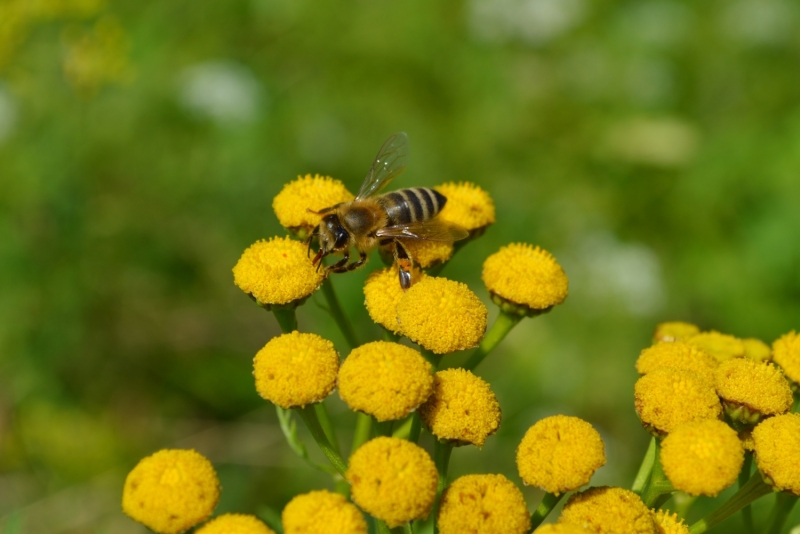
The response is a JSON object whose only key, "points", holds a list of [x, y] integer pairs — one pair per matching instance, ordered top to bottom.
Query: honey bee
{"points": [[372, 220]]}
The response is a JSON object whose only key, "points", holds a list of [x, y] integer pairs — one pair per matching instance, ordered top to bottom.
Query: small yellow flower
{"points": [[308, 192], [467, 205], [428, 253], [277, 271], [525, 279], [382, 292], [442, 315], [674, 331], [720, 346], [757, 350], [786, 353], [677, 354], [296, 369], [386, 380], [751, 389], [667, 397], [462, 408], [777, 442], [560, 454], [702, 457], [393, 479], [171, 490], [489, 504], [606, 510], [322, 512], [667, 523], [235, 524], [560, 528]]}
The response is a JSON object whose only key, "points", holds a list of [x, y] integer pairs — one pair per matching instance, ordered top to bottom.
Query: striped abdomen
{"points": [[416, 204]]}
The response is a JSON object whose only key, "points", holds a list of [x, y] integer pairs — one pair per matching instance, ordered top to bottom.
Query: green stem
{"points": [[338, 315], [287, 318], [501, 327], [390, 336], [309, 415], [327, 426], [383, 428], [409, 430], [362, 432], [441, 457], [645, 469], [744, 475], [658, 485], [753, 490], [549, 502], [784, 502], [382, 528], [408, 529]]}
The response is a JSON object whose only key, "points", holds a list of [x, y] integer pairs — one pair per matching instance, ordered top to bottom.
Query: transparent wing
{"points": [[390, 161], [434, 230]]}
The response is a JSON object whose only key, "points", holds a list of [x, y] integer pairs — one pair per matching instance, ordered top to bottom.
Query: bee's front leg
{"points": [[362, 259], [340, 266]]}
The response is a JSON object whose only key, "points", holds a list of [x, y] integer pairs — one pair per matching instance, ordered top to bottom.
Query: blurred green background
{"points": [[653, 146]]}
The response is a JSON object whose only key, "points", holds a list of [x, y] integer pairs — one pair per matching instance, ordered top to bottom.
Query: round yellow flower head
{"points": [[308, 192], [468, 206], [428, 253], [277, 271], [524, 279], [382, 292], [442, 315], [674, 331], [720, 346], [757, 350], [786, 353], [677, 354], [296, 369], [386, 380], [750, 390], [667, 397], [462, 408], [777, 442], [560, 454], [702, 457], [392, 479], [171, 491], [490, 504], [608, 511], [322, 512], [667, 523], [235, 524], [560, 528]]}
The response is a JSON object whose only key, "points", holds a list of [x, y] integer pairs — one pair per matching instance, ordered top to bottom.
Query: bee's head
{"points": [[333, 237]]}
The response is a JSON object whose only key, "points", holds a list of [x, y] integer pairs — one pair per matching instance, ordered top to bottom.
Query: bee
{"points": [[372, 220]]}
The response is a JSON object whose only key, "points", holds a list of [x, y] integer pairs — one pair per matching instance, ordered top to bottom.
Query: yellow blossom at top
{"points": [[308, 192], [467, 205], [428, 253], [277, 271], [526, 276], [382, 292], [442, 315], [674, 331], [720, 346], [757, 350], [786, 353], [677, 354], [296, 369], [386, 380], [760, 388], [667, 397], [462, 408], [777, 442], [560, 454], [702, 457], [392, 479], [171, 491], [489, 504], [608, 510], [322, 512], [667, 523], [235, 524], [560, 528]]}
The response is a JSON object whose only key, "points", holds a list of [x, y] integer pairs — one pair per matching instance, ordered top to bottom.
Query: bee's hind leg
{"points": [[404, 264]]}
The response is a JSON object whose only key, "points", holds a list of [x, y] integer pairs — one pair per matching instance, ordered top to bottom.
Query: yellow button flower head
{"points": [[308, 192], [468, 206], [428, 253], [277, 271], [525, 279], [382, 292], [442, 315], [674, 331], [721, 346], [757, 350], [786, 353], [680, 355], [296, 369], [386, 380], [750, 390], [667, 397], [462, 408], [777, 442], [560, 454], [702, 457], [392, 479], [171, 491], [489, 504], [608, 511], [322, 512], [667, 523], [235, 524], [560, 528]]}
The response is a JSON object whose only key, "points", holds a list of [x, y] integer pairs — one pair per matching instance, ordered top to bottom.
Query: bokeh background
{"points": [[652, 145]]}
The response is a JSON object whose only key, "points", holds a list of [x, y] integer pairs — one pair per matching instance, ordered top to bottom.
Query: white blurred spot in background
{"points": [[535, 22], [761, 22], [659, 23], [223, 91], [8, 114], [661, 142]]}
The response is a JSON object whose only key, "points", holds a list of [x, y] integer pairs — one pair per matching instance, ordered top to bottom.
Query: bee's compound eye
{"points": [[341, 237]]}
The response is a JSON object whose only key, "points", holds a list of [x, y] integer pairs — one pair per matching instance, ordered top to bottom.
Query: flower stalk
{"points": [[336, 311], [499, 330], [309, 415], [645, 470], [750, 492], [549, 501]]}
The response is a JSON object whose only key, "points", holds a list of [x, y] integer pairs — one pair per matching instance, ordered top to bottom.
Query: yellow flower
{"points": [[308, 192], [467, 205], [428, 253], [277, 271], [525, 279], [382, 292], [442, 315], [674, 331], [720, 346], [757, 350], [786, 353], [677, 354], [296, 369], [386, 380], [751, 389], [667, 397], [462, 408], [777, 442], [560, 454], [702, 457], [393, 479], [171, 490], [489, 504], [608, 510], [322, 512], [667, 523], [235, 524], [560, 528]]}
